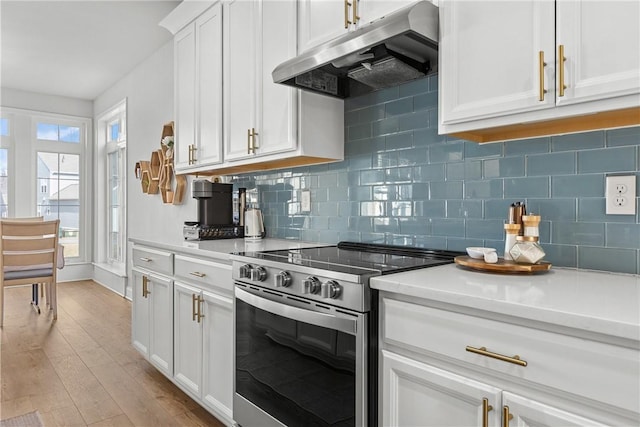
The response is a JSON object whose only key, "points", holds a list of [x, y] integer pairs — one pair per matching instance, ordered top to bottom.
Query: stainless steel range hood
{"points": [[397, 48]]}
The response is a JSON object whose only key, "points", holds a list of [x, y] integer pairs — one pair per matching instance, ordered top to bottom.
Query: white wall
{"points": [[45, 103]]}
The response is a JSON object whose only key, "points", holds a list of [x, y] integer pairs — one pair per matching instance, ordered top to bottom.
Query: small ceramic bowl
{"points": [[478, 252]]}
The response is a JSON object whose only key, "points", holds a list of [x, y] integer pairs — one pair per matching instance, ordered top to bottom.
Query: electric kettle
{"points": [[253, 224]]}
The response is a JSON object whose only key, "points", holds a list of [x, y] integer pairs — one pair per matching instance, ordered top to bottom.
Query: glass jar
{"points": [[527, 250]]}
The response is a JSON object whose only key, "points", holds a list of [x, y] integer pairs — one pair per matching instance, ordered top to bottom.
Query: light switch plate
{"points": [[621, 195], [305, 201]]}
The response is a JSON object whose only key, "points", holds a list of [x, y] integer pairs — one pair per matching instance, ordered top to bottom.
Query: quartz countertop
{"points": [[222, 249], [599, 302]]}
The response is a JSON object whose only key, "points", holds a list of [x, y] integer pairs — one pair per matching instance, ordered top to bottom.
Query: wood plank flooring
{"points": [[81, 370]]}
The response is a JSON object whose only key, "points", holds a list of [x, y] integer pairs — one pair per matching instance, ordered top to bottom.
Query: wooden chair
{"points": [[28, 252]]}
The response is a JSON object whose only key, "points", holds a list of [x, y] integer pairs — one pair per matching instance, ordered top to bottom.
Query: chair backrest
{"points": [[28, 243]]}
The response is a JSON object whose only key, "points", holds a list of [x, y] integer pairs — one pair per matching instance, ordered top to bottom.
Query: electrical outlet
{"points": [[621, 195], [305, 200]]}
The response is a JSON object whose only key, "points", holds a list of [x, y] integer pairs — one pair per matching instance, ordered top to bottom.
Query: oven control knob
{"points": [[245, 271], [258, 274], [283, 279], [311, 285], [331, 289]]}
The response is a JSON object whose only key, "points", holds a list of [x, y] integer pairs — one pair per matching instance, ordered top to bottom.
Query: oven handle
{"points": [[329, 321]]}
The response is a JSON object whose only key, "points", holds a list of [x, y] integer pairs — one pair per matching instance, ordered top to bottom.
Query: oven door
{"points": [[298, 363]]}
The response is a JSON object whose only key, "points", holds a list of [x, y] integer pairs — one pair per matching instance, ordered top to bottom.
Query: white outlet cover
{"points": [[621, 195], [305, 201]]}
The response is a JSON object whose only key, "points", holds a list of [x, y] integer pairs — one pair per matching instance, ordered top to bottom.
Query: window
{"points": [[4, 127], [55, 132]]}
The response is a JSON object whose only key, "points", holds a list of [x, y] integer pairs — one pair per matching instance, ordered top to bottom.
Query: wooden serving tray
{"points": [[502, 266]]}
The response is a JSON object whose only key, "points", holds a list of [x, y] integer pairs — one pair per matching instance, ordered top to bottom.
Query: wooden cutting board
{"points": [[502, 266]]}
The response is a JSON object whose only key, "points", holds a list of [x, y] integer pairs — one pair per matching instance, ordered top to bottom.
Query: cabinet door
{"points": [[372, 10], [322, 20], [601, 42], [184, 53], [489, 58], [239, 76], [209, 79], [277, 118], [139, 314], [161, 324], [187, 339], [217, 384], [416, 394], [527, 412]]}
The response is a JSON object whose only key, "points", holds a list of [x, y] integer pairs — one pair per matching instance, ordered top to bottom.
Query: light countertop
{"points": [[222, 249], [599, 302]]}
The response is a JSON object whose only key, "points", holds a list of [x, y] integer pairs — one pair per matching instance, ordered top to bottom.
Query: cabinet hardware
{"points": [[346, 14], [356, 18], [561, 60], [541, 64], [253, 140], [248, 141], [190, 153], [193, 154], [145, 259], [197, 274], [145, 286], [200, 302], [193, 307], [483, 352], [485, 412], [506, 416]]}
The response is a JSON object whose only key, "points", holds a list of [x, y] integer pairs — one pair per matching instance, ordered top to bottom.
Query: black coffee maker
{"points": [[215, 212]]}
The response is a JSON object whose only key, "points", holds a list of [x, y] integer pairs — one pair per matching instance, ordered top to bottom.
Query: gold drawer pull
{"points": [[561, 61], [541, 65], [143, 259], [197, 274], [200, 301], [194, 313], [483, 352], [485, 412], [506, 416]]}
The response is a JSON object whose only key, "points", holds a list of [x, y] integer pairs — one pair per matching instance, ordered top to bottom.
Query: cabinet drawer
{"points": [[153, 259], [206, 273], [592, 369]]}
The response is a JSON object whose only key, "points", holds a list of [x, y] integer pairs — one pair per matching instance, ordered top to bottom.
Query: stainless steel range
{"points": [[306, 332]]}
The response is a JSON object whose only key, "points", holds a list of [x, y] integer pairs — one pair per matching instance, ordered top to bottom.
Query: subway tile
{"points": [[433, 83], [414, 87], [384, 95], [425, 101], [357, 102], [398, 107], [371, 114], [351, 118], [433, 119], [411, 121], [385, 127], [360, 131], [625, 136], [425, 137], [399, 141], [578, 141], [527, 146], [473, 150], [448, 152], [412, 156], [385, 159], [619, 159], [360, 162], [562, 163], [504, 167], [464, 170], [429, 172], [393, 175], [373, 176], [343, 178], [328, 180], [577, 186], [526, 187], [488, 189], [445, 190], [420, 191], [385, 192], [405, 192], [360, 193], [338, 194], [319, 195], [283, 196], [293, 208], [324, 208], [348, 208], [398, 208], [430, 208], [464, 208], [497, 208], [372, 209], [553, 209], [593, 210], [320, 222], [361, 224], [386, 225], [415, 226], [448, 227], [485, 229], [544, 230], [577, 233], [308, 235], [328, 236], [349, 236], [623, 236], [379, 238], [399, 240], [431, 242], [456, 244], [561, 255], [608, 259]]}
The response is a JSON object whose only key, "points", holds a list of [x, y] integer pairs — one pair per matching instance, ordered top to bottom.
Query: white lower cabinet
{"points": [[152, 331], [446, 367]]}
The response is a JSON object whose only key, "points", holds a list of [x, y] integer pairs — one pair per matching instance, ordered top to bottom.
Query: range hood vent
{"points": [[395, 49]]}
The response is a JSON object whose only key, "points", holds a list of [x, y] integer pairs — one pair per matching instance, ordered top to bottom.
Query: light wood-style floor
{"points": [[82, 370]]}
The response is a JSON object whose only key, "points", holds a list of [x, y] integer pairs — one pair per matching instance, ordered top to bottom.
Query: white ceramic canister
{"points": [[511, 231]]}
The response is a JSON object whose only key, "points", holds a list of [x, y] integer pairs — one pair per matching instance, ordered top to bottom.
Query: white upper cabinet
{"points": [[370, 11], [601, 42], [514, 63], [184, 72]]}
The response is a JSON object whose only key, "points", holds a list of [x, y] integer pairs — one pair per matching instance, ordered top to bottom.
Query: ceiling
{"points": [[77, 48]]}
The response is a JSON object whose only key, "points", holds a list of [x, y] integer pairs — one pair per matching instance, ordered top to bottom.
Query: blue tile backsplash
{"points": [[401, 183]]}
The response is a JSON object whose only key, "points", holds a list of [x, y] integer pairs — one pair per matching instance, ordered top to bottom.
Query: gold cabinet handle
{"points": [[346, 13], [356, 18], [561, 61], [541, 65], [253, 140], [248, 141], [190, 153], [193, 154], [143, 259], [197, 274], [145, 286], [194, 298], [200, 303], [483, 352], [485, 412], [506, 416]]}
